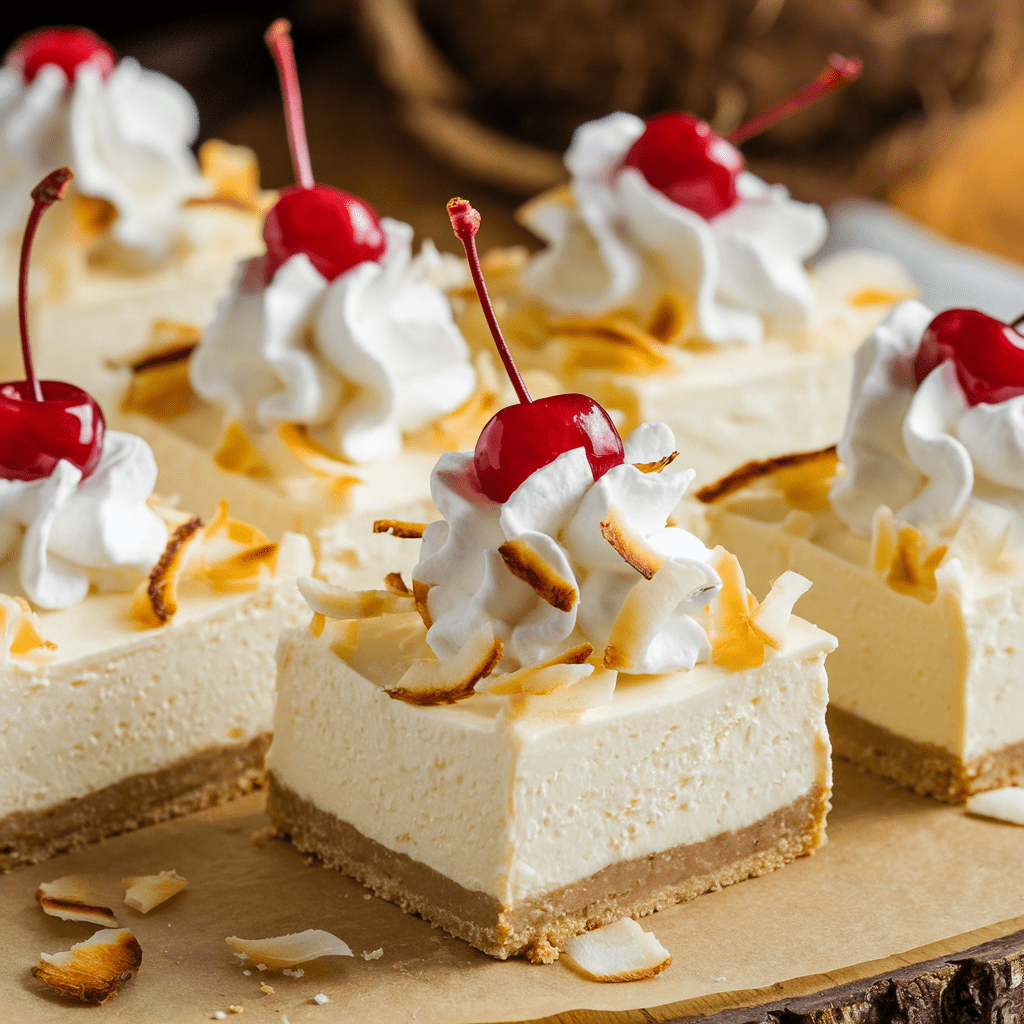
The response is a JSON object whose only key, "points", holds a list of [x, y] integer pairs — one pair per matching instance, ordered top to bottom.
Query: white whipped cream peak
{"points": [[127, 138], [623, 243], [373, 354], [922, 451], [557, 511], [68, 532]]}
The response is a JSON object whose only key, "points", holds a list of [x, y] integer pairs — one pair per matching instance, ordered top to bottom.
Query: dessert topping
{"points": [[67, 48], [683, 158], [334, 229], [988, 354], [45, 422], [520, 439], [19, 631], [144, 892], [76, 898], [289, 950], [621, 951], [94, 970]]}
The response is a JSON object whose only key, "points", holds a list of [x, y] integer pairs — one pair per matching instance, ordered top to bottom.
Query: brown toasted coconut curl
{"points": [[657, 467], [746, 474], [398, 528], [635, 551], [523, 561], [163, 580], [394, 583], [338, 603], [556, 673], [426, 682], [144, 892], [76, 898], [289, 950], [621, 951], [94, 970]]}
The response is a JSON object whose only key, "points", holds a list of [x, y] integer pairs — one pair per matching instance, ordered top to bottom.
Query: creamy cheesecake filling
{"points": [[944, 673], [116, 701], [513, 807]]}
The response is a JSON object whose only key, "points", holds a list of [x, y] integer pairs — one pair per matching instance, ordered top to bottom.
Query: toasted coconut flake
{"points": [[234, 172], [93, 215], [879, 297], [669, 318], [609, 343], [159, 385], [238, 453], [316, 458], [657, 467], [749, 472], [399, 528], [236, 529], [883, 540], [634, 550], [905, 558], [523, 561], [240, 570], [394, 583], [419, 594], [156, 603], [338, 603], [770, 619], [317, 624], [19, 630], [735, 644], [556, 673], [427, 682], [566, 703], [1006, 804], [144, 892], [77, 898], [289, 950], [622, 951], [94, 970]]}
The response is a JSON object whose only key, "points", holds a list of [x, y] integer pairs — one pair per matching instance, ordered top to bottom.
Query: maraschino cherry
{"points": [[68, 48], [680, 156], [336, 230], [988, 354], [44, 421], [520, 439]]}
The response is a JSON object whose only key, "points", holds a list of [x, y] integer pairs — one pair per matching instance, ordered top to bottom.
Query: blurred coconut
{"points": [[496, 87]]}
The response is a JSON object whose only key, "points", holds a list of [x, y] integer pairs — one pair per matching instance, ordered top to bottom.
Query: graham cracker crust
{"points": [[923, 767], [209, 777], [539, 926]]}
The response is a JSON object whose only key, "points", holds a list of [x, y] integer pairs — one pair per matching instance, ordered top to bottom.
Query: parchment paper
{"points": [[899, 872]]}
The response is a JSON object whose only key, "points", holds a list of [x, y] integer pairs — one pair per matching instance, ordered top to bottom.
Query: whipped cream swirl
{"points": [[126, 138], [621, 242], [373, 354], [922, 451], [558, 513], [68, 532]]}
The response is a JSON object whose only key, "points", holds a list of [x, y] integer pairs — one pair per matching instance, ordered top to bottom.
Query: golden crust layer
{"points": [[923, 767], [209, 777], [538, 927]]}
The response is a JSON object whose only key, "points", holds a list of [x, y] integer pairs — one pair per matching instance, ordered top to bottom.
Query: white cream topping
{"points": [[127, 138], [623, 243], [374, 353], [922, 450], [558, 513], [68, 532]]}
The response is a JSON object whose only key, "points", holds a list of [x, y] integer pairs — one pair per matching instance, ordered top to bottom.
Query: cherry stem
{"points": [[279, 42], [837, 72], [44, 195], [466, 223]]}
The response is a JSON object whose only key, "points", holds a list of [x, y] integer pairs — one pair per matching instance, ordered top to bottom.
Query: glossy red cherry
{"points": [[68, 48], [680, 156], [336, 230], [988, 354], [42, 422], [520, 439]]}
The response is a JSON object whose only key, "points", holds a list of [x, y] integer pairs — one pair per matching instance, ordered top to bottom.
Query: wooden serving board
{"points": [[826, 938]]}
